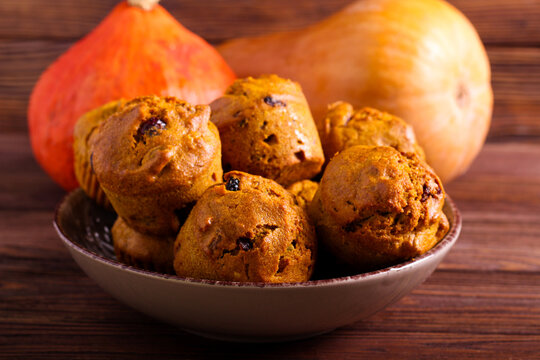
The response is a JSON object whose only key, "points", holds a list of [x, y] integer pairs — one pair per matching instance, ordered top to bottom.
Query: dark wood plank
{"points": [[498, 21], [21, 64], [516, 83], [511, 180], [23, 185], [499, 198], [496, 241], [50, 305]]}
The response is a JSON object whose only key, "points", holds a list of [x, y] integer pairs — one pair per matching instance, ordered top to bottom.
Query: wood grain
{"points": [[498, 21], [21, 63], [516, 87], [50, 301]]}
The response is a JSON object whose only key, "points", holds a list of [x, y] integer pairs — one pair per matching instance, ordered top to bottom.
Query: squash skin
{"points": [[132, 52], [421, 60]]}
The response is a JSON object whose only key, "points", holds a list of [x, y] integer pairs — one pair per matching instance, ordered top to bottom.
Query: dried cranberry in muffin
{"points": [[266, 129], [154, 159], [372, 210], [246, 229]]}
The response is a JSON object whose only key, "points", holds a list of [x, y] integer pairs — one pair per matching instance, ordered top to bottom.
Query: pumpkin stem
{"points": [[143, 4]]}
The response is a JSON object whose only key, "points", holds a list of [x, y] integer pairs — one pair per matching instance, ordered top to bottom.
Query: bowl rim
{"points": [[445, 243]]}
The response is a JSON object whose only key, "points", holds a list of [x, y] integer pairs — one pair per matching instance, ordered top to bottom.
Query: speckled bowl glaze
{"points": [[239, 311]]}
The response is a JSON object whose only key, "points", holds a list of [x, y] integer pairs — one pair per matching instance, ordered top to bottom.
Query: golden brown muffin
{"points": [[344, 127], [84, 129], [266, 129], [154, 159], [303, 190], [376, 207], [246, 229], [148, 252]]}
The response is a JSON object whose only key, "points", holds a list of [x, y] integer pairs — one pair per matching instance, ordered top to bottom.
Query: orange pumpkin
{"points": [[138, 49], [419, 59]]}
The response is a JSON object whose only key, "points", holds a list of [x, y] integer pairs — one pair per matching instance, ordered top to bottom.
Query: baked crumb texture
{"points": [[344, 127], [85, 128], [266, 129], [154, 158], [304, 191], [376, 207], [247, 229], [147, 252]]}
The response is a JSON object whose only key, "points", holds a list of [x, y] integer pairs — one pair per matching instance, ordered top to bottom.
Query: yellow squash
{"points": [[419, 59]]}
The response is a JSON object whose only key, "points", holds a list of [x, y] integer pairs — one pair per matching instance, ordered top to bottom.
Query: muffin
{"points": [[344, 127], [266, 129], [84, 130], [154, 159], [303, 191], [376, 207], [246, 229], [147, 252]]}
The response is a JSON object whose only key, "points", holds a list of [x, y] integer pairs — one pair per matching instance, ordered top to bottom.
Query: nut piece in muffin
{"points": [[344, 127], [266, 129], [84, 130], [154, 159], [303, 190], [376, 207], [246, 229], [147, 252]]}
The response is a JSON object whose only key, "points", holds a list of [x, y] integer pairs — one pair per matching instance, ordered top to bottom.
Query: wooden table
{"points": [[482, 302]]}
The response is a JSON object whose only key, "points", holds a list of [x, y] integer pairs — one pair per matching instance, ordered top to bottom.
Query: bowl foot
{"points": [[245, 338]]}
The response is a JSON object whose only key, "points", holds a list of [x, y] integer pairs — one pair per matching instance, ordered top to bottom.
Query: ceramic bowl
{"points": [[239, 311]]}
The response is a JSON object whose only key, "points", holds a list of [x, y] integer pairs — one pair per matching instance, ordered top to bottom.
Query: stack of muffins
{"points": [[158, 162]]}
